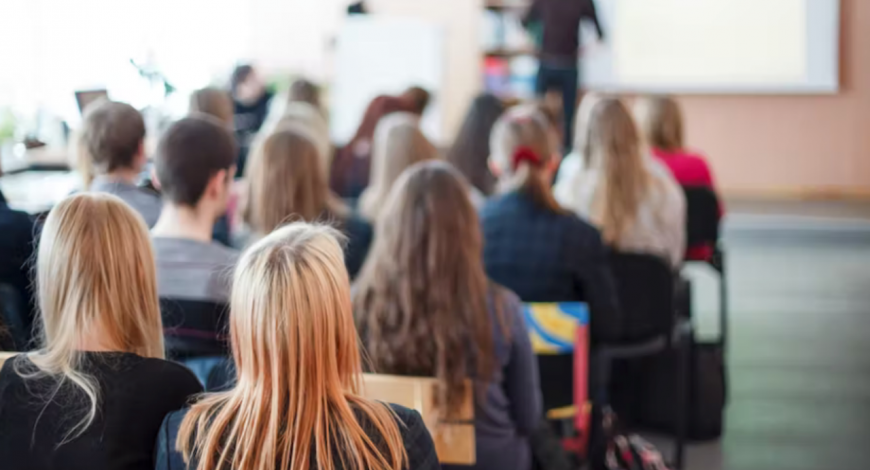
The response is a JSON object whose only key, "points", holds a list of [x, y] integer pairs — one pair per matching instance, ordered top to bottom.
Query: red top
{"points": [[689, 169]]}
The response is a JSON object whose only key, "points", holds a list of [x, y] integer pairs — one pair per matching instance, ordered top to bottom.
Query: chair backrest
{"points": [[702, 215], [645, 285], [553, 326], [194, 328], [454, 440]]}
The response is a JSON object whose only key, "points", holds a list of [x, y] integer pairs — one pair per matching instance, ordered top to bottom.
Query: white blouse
{"points": [[660, 226]]}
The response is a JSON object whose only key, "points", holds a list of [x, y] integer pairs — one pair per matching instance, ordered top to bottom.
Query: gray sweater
{"points": [[145, 202]]}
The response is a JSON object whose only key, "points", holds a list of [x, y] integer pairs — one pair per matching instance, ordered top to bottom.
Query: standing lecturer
{"points": [[560, 47]]}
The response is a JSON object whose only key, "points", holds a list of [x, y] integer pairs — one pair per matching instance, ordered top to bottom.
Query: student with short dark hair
{"points": [[112, 147], [195, 163], [92, 396]]}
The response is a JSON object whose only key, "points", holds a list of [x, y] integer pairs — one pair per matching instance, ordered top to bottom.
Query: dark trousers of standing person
{"points": [[565, 79]]}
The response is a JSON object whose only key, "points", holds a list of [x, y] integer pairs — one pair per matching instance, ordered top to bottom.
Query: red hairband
{"points": [[525, 154]]}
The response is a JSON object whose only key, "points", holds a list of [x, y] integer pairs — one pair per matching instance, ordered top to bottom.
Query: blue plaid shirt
{"points": [[545, 256]]}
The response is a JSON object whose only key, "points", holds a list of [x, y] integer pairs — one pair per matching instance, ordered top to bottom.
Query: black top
{"points": [[561, 21], [248, 117], [17, 240], [546, 256], [135, 394], [418, 442]]}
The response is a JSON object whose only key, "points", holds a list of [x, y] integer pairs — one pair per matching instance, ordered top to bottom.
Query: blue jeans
{"points": [[565, 79]]}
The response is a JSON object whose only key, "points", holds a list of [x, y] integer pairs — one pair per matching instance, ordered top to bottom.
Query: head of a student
{"points": [[246, 85], [305, 91], [417, 99], [213, 102], [661, 121], [581, 126], [112, 140], [398, 144], [615, 148], [470, 151], [522, 155], [195, 164], [287, 179], [96, 290], [422, 295], [295, 348]]}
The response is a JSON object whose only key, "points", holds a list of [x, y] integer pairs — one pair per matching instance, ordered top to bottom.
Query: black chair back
{"points": [[702, 216], [645, 285], [194, 328]]}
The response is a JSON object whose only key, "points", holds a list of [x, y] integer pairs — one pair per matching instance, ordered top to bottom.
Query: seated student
{"points": [[213, 102], [251, 105], [112, 145], [397, 145], [470, 150], [195, 164], [350, 172], [286, 181], [633, 199], [531, 244], [16, 248], [424, 307], [94, 393], [296, 404]]}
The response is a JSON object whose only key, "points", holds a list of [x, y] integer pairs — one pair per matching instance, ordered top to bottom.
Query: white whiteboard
{"points": [[715, 46], [385, 55]]}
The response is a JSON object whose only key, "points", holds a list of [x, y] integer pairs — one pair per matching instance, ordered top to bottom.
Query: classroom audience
{"points": [[214, 102], [250, 107], [398, 144], [470, 150], [112, 156], [195, 164], [350, 171], [286, 181], [629, 196], [531, 244], [16, 249], [425, 307], [296, 353], [93, 395]]}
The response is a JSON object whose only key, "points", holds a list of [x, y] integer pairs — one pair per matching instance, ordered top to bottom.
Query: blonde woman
{"points": [[398, 144], [286, 181], [630, 197], [531, 244], [93, 394], [296, 404]]}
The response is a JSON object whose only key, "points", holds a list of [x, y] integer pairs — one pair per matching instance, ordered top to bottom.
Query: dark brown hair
{"points": [[417, 99], [111, 136], [470, 151], [189, 154], [421, 299]]}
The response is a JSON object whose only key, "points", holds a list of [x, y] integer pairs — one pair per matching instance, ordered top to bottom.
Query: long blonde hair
{"points": [[661, 121], [524, 128], [398, 144], [615, 148], [286, 179], [95, 273], [296, 352]]}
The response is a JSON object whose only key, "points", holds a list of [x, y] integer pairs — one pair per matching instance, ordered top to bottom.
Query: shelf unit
{"points": [[508, 60]]}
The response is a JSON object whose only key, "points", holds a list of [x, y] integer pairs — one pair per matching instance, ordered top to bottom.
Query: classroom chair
{"points": [[703, 210], [645, 284], [195, 334], [560, 338], [454, 439]]}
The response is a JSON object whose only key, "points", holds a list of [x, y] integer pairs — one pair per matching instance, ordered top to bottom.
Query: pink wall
{"points": [[794, 146]]}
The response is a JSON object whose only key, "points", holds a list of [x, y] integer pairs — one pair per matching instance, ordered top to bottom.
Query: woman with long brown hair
{"points": [[286, 181], [631, 198], [532, 245], [424, 307], [93, 393], [296, 404]]}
